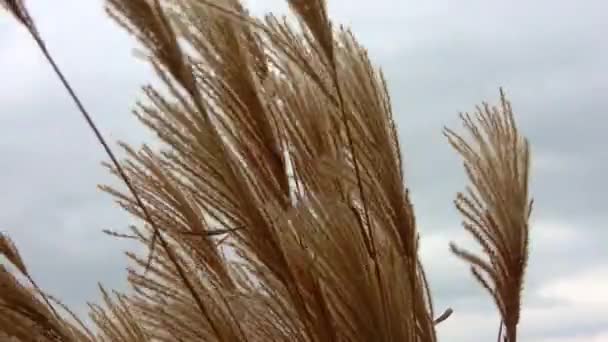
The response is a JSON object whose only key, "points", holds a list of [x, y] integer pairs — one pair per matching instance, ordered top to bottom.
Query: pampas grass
{"points": [[277, 198]]}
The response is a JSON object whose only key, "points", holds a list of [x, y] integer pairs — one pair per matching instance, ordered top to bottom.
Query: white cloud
{"points": [[587, 288], [599, 337]]}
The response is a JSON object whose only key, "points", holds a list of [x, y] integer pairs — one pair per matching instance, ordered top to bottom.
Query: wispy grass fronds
{"points": [[19, 11], [287, 143], [278, 196], [496, 206], [26, 313]]}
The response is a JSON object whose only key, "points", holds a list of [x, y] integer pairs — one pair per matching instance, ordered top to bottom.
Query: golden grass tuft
{"points": [[278, 197], [496, 207]]}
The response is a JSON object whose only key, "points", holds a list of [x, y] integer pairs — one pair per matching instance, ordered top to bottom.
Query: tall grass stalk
{"points": [[278, 196]]}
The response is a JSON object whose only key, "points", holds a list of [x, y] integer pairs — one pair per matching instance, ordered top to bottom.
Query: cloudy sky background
{"points": [[440, 58]]}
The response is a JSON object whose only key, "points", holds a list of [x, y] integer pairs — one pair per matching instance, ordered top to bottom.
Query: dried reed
{"points": [[278, 197]]}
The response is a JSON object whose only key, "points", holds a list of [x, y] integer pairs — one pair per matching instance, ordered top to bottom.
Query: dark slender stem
{"points": [[93, 127], [369, 239], [173, 257], [43, 295], [499, 331]]}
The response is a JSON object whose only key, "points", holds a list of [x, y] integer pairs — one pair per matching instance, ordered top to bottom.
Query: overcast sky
{"points": [[440, 58]]}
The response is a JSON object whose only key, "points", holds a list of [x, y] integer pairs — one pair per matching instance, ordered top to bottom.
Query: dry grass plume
{"points": [[278, 200]]}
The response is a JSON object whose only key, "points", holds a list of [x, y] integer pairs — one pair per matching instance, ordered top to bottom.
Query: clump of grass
{"points": [[278, 197], [496, 207]]}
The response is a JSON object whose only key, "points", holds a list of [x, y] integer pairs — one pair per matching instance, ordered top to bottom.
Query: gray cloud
{"points": [[439, 57]]}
